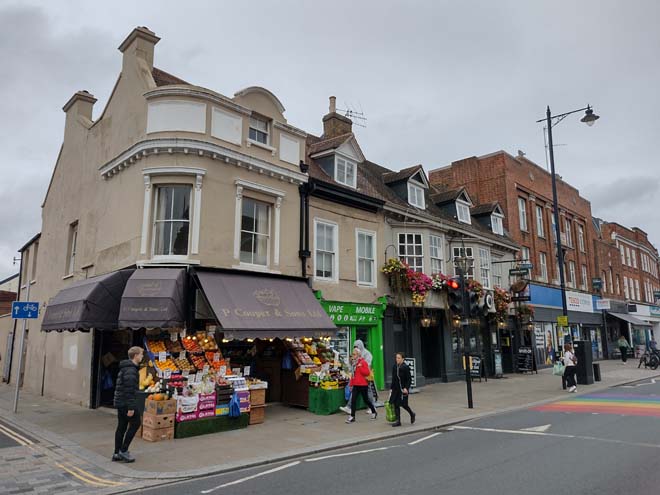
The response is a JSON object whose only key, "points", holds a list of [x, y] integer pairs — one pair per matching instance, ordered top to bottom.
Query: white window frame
{"points": [[253, 120], [347, 163], [158, 188], [416, 196], [463, 212], [522, 214], [497, 223], [540, 229], [568, 232], [267, 235], [436, 244], [581, 244], [73, 247], [622, 249], [335, 252], [469, 253], [525, 254], [633, 255], [415, 257], [628, 258], [372, 259], [543, 264], [484, 267], [583, 270], [571, 273], [497, 274], [609, 279], [604, 284], [618, 285], [626, 291], [637, 291]]}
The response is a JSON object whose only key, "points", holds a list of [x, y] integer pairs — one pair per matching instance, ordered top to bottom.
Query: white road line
{"points": [[542, 428], [420, 440], [314, 459], [247, 478]]}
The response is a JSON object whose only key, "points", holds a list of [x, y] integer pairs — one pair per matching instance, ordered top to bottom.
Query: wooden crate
{"points": [[258, 397], [257, 415], [156, 421], [157, 434]]}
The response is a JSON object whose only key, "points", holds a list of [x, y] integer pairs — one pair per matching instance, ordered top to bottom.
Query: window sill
{"points": [[250, 142], [168, 260], [87, 266], [255, 268], [66, 277], [326, 280], [32, 282], [366, 285]]}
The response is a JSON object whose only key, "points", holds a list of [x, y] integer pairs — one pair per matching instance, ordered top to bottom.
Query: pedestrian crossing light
{"points": [[455, 297], [473, 302]]}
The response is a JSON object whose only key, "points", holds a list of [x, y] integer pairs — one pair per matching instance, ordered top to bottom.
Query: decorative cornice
{"points": [[197, 92], [290, 129], [198, 148], [271, 191]]}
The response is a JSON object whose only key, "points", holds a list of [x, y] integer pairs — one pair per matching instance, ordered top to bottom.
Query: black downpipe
{"points": [[303, 244]]}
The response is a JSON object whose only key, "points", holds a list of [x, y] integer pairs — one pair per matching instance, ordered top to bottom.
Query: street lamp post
{"points": [[551, 120], [463, 264]]}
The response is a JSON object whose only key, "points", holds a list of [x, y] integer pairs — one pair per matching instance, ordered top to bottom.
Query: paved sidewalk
{"points": [[287, 432]]}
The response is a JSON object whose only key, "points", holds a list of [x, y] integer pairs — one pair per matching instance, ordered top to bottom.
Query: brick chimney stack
{"points": [[334, 124]]}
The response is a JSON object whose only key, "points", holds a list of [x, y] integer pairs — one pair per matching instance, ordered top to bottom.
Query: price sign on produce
{"points": [[174, 337], [182, 354], [162, 356], [216, 357], [205, 369], [223, 370], [246, 371], [185, 373], [160, 374], [167, 374], [198, 377]]}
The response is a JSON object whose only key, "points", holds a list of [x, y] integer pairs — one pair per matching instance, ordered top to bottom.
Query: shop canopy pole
{"points": [[20, 356]]}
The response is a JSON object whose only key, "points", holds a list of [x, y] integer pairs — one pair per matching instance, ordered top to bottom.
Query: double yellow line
{"points": [[15, 436], [87, 477]]}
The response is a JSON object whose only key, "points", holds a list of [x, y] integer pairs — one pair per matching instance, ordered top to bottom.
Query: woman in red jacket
{"points": [[360, 385]]}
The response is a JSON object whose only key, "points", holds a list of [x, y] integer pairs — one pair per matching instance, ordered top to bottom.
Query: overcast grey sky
{"points": [[437, 80]]}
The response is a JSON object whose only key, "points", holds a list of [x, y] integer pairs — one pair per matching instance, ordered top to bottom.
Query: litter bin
{"points": [[585, 370], [597, 372]]}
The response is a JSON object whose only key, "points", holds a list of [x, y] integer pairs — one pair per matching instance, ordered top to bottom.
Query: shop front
{"points": [[358, 321]]}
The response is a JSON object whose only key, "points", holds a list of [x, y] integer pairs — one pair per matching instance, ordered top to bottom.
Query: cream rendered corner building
{"points": [[162, 177]]}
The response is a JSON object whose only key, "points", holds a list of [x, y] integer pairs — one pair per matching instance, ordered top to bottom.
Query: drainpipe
{"points": [[303, 235]]}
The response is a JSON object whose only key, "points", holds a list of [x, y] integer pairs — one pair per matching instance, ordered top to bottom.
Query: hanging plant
{"points": [[396, 271], [439, 281], [419, 284], [475, 286], [502, 300], [525, 311]]}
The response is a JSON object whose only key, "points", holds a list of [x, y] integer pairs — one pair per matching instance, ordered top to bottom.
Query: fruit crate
{"points": [[257, 397], [257, 415]]}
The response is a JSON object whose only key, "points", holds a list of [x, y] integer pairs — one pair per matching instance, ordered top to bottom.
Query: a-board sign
{"points": [[525, 360], [411, 362], [475, 366], [499, 371]]}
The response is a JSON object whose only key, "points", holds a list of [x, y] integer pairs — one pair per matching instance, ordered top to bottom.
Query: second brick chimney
{"points": [[334, 124]]}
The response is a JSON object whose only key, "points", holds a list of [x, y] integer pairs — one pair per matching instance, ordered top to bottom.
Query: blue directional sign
{"points": [[24, 309]]}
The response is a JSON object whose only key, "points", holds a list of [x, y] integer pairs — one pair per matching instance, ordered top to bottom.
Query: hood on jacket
{"points": [[368, 357], [125, 363]]}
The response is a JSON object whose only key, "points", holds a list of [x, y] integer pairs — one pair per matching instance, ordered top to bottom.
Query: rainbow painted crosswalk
{"points": [[604, 403]]}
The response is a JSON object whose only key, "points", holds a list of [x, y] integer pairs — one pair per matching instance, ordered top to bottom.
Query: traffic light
{"points": [[455, 296], [473, 303]]}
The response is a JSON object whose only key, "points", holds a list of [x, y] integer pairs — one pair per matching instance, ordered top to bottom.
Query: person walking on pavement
{"points": [[623, 348], [368, 357], [569, 372], [360, 385], [400, 389], [128, 416]]}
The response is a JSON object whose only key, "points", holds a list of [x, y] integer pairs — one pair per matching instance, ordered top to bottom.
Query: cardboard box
{"points": [[160, 407], [257, 415], [155, 422], [157, 434]]}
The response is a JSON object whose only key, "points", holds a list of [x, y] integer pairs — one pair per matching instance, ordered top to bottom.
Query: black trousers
{"points": [[624, 353], [569, 374], [360, 390], [400, 401], [126, 429]]}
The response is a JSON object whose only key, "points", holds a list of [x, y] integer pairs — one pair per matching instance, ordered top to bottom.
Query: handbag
{"points": [[558, 369], [390, 413]]}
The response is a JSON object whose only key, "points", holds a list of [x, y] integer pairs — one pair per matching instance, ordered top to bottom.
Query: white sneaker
{"points": [[572, 389], [345, 409], [367, 411], [350, 419]]}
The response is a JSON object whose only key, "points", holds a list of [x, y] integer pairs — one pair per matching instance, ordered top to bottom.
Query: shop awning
{"points": [[154, 298], [86, 304], [252, 306], [636, 322]]}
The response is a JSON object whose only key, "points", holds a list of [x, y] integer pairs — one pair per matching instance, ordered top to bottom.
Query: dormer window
{"points": [[259, 130], [345, 172], [416, 196], [463, 211], [497, 224]]}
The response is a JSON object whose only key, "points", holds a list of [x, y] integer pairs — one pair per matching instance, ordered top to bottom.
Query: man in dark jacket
{"points": [[400, 389], [128, 416]]}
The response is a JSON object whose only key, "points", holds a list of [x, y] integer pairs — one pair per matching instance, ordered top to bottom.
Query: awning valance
{"points": [[154, 298], [86, 304], [252, 306], [636, 322]]}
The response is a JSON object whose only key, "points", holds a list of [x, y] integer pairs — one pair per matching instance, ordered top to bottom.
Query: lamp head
{"points": [[589, 117]]}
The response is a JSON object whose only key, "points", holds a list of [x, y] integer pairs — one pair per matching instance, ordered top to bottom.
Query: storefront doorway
{"points": [[432, 352]]}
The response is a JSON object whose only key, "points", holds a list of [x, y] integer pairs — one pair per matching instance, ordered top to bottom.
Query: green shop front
{"points": [[361, 321]]}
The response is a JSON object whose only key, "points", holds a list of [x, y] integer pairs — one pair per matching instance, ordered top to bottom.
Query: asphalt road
{"points": [[603, 443]]}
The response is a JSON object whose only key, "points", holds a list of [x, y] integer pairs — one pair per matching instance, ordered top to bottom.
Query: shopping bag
{"points": [[558, 369], [347, 393], [234, 406], [390, 414]]}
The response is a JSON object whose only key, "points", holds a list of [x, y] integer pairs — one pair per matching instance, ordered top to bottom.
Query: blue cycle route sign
{"points": [[24, 309]]}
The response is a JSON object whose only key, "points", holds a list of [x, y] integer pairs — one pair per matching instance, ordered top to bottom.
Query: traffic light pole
{"points": [[466, 355]]}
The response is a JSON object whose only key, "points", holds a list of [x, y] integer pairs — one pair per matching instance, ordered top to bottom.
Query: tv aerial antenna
{"points": [[358, 118]]}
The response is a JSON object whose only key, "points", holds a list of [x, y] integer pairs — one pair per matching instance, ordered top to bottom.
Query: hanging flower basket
{"points": [[439, 282], [420, 285], [475, 286], [502, 300], [525, 312]]}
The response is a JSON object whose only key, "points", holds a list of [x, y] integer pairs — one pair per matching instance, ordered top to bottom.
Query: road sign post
{"points": [[24, 310]]}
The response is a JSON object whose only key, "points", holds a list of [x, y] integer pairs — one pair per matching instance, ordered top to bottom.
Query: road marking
{"points": [[542, 428], [15, 436], [420, 440], [314, 459], [83, 478], [94, 478], [247, 478]]}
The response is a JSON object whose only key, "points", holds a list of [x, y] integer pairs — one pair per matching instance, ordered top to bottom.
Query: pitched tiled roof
{"points": [[163, 78], [318, 145], [402, 174], [443, 197], [483, 209]]}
